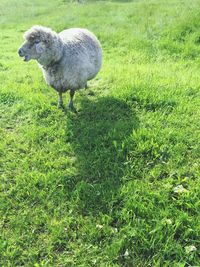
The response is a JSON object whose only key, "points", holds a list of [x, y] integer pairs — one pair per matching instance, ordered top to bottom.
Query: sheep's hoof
{"points": [[60, 106], [72, 108]]}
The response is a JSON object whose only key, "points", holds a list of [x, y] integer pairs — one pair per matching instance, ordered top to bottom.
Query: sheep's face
{"points": [[41, 44], [32, 50]]}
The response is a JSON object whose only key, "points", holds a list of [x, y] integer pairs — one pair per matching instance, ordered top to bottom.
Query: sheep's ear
{"points": [[39, 48]]}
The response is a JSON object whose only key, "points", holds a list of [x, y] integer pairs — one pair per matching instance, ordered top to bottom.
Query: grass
{"points": [[96, 188]]}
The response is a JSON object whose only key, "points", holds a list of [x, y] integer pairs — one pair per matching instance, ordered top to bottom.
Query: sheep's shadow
{"points": [[99, 136]]}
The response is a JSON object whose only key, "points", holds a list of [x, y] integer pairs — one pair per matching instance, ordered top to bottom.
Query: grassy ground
{"points": [[97, 188]]}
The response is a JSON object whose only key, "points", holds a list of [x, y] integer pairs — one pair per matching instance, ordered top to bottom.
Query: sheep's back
{"points": [[83, 51]]}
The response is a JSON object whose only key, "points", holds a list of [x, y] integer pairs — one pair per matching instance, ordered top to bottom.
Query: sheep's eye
{"points": [[37, 42]]}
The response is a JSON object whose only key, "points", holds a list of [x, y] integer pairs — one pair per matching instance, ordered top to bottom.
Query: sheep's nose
{"points": [[20, 52]]}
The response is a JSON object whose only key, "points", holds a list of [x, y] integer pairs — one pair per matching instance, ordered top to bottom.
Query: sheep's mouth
{"points": [[26, 58]]}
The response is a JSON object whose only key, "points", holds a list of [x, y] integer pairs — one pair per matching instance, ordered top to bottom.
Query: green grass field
{"points": [[97, 188]]}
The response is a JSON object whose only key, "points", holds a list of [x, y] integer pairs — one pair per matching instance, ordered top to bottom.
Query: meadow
{"points": [[118, 182]]}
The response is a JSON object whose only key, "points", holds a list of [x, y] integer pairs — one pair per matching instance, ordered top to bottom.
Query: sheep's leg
{"points": [[86, 86], [60, 100], [71, 105]]}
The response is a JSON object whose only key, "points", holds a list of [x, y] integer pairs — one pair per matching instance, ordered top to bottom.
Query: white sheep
{"points": [[67, 59]]}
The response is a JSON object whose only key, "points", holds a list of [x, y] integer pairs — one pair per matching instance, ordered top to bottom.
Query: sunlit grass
{"points": [[98, 188]]}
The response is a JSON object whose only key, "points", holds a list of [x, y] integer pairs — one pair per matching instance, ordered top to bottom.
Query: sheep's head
{"points": [[39, 45]]}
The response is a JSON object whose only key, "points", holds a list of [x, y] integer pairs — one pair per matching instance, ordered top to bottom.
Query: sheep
{"points": [[68, 59]]}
